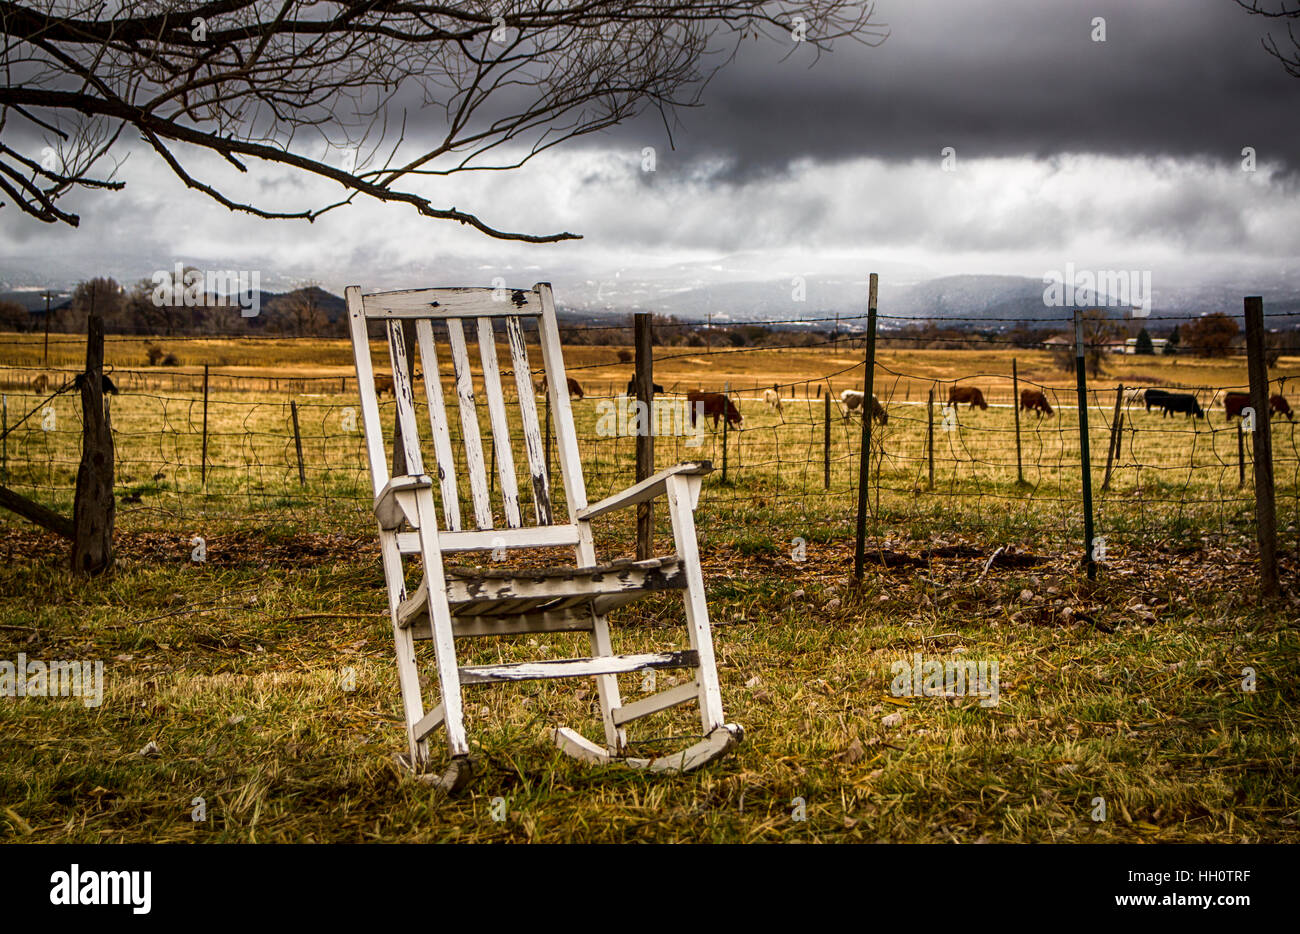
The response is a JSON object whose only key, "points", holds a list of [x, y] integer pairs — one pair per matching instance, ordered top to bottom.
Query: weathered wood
{"points": [[452, 303], [1015, 404], [500, 423], [438, 425], [1116, 426], [929, 436], [297, 439], [645, 441], [826, 443], [534, 447], [375, 455], [1085, 456], [1241, 456], [203, 457], [864, 458], [407, 459], [474, 462], [644, 491], [1265, 506], [95, 507], [390, 511], [34, 512], [486, 539], [455, 601], [576, 667], [655, 703], [713, 746]]}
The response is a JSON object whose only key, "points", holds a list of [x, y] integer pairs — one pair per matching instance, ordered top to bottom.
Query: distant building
{"points": [[1157, 345]]}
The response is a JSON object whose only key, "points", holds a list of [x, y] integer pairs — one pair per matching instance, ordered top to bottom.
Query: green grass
{"points": [[236, 668]]}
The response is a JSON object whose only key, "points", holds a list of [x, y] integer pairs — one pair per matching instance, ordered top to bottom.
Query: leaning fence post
{"points": [[1015, 404], [1116, 426], [929, 435], [4, 438], [548, 438], [645, 440], [297, 442], [826, 444], [1085, 457], [203, 459], [864, 459], [1265, 508]]}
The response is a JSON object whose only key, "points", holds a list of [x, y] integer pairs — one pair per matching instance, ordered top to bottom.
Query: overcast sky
{"points": [[1122, 154]]}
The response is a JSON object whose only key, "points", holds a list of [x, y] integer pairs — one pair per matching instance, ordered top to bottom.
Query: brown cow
{"points": [[575, 388], [959, 394], [1034, 400], [1235, 402], [715, 404]]}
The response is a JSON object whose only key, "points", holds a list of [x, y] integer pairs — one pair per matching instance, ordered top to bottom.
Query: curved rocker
{"points": [[713, 746]]}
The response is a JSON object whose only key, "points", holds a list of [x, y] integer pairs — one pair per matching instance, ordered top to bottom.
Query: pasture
{"points": [[263, 674]]}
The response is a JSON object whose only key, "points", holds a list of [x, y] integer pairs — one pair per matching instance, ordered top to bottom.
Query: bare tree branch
{"points": [[274, 81]]}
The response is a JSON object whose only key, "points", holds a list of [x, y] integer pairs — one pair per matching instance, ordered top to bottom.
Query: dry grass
{"points": [[1129, 690]]}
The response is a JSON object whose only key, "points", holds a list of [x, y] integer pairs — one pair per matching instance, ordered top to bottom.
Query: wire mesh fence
{"points": [[189, 458]]}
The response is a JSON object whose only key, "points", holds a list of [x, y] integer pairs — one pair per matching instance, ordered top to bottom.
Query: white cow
{"points": [[772, 398], [852, 399]]}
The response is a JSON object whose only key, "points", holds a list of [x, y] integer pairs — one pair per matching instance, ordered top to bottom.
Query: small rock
{"points": [[797, 595], [1026, 595], [833, 603], [752, 682], [236, 719], [892, 720], [150, 750], [853, 752]]}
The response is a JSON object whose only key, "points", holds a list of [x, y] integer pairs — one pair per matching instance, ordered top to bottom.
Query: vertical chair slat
{"points": [[487, 347], [405, 396], [469, 424], [438, 425], [534, 444], [375, 450]]}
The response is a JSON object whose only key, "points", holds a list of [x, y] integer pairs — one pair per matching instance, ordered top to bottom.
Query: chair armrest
{"points": [[647, 489], [388, 507]]}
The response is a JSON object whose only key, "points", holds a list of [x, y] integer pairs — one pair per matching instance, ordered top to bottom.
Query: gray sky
{"points": [[1118, 154]]}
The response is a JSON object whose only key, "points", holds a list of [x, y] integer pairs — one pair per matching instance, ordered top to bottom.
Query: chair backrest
{"points": [[410, 318]]}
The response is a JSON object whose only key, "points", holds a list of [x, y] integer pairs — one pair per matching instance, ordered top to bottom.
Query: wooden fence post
{"points": [[726, 395], [1015, 404], [1116, 427], [929, 436], [4, 438], [548, 438], [645, 441], [297, 442], [826, 444], [1085, 456], [1241, 456], [864, 459], [203, 460], [1265, 507], [94, 508]]}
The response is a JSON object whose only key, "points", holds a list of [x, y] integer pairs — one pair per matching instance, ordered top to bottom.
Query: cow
{"points": [[40, 383], [383, 384], [631, 387], [575, 388], [959, 394], [1133, 395], [1153, 396], [772, 397], [852, 399], [1034, 400], [1183, 402], [1235, 402], [713, 404]]}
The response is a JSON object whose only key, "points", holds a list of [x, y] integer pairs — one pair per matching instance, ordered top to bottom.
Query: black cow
{"points": [[631, 387], [1153, 397], [1183, 402]]}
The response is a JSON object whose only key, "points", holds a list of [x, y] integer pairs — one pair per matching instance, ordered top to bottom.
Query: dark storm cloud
{"points": [[1183, 78]]}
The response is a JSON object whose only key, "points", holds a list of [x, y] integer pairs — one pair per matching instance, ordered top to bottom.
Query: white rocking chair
{"points": [[454, 602]]}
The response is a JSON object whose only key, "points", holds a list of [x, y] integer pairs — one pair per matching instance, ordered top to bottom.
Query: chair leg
{"points": [[680, 502], [444, 641], [408, 675], [607, 688]]}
